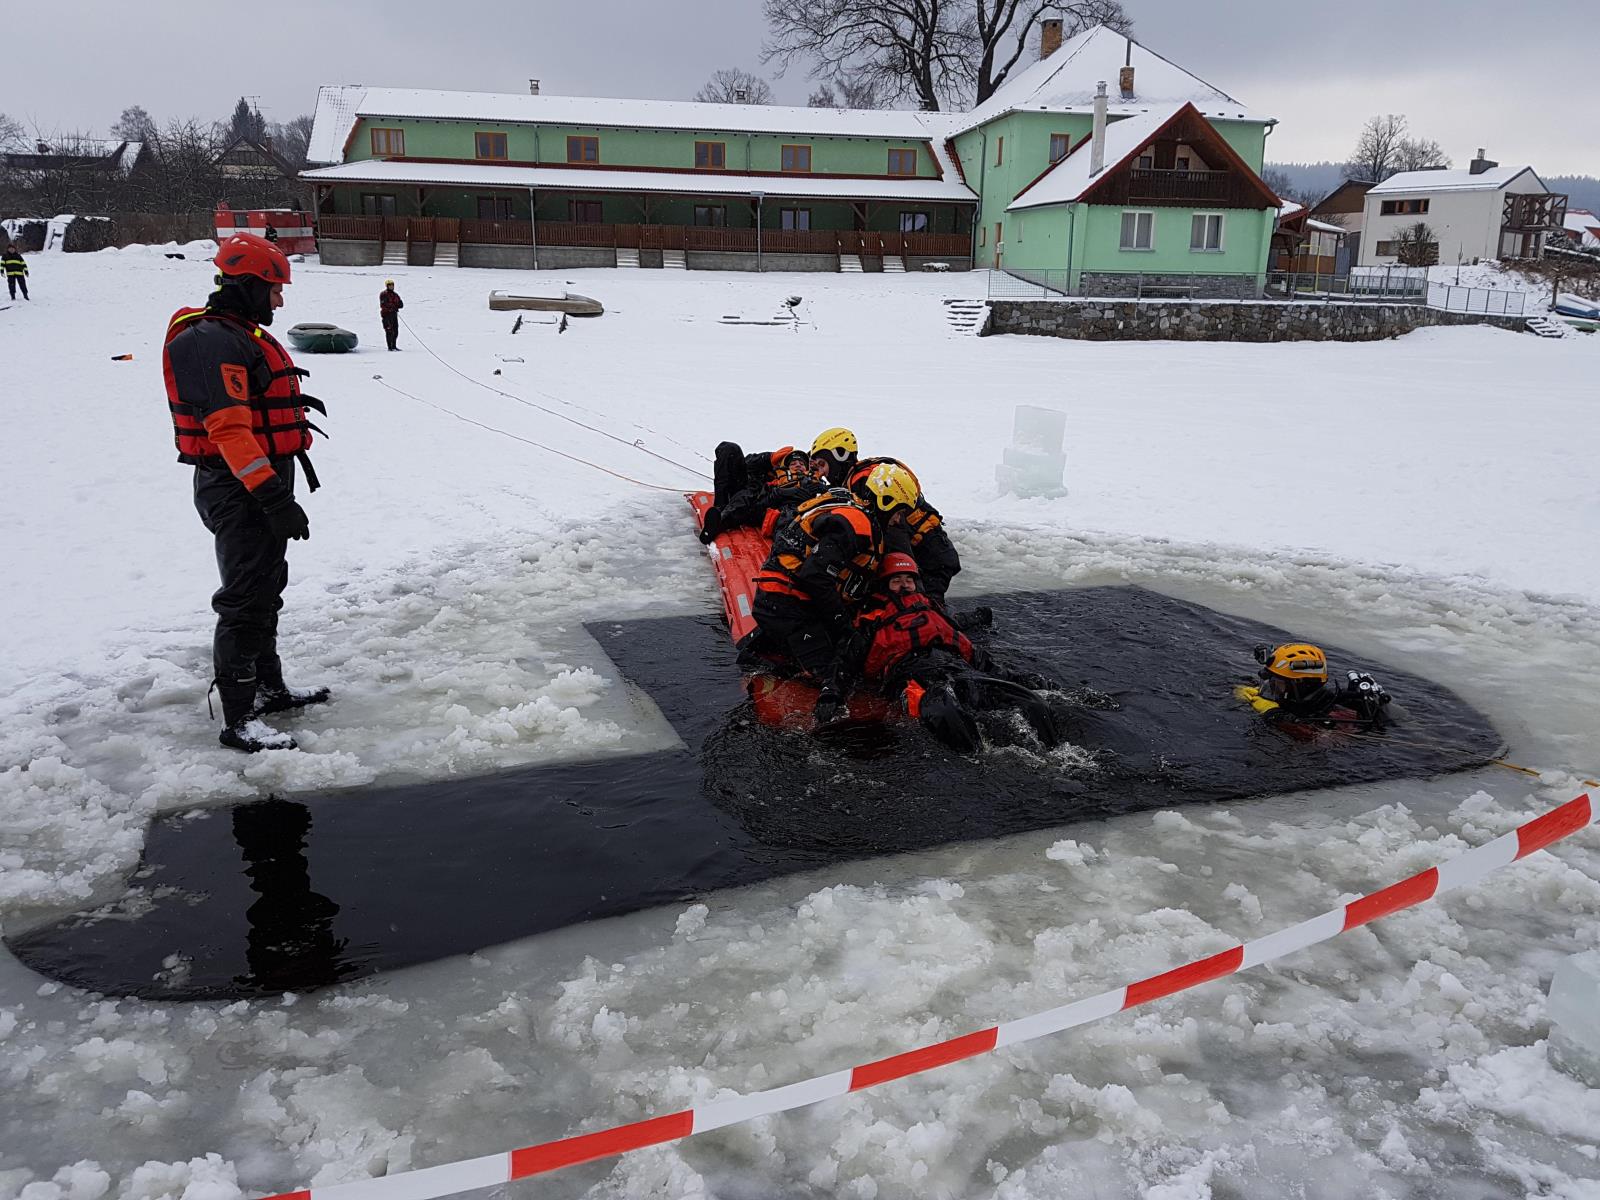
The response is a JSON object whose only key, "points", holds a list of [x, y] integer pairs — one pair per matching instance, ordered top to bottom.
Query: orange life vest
{"points": [[277, 415], [796, 541], [904, 625]]}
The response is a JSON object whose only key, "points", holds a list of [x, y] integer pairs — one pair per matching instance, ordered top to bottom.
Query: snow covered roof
{"points": [[1066, 82], [339, 107], [335, 117], [1069, 179], [1491, 180], [697, 183], [1289, 208], [1324, 226]]}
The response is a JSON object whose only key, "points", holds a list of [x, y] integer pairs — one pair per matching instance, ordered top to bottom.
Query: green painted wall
{"points": [[644, 147], [1025, 156], [1039, 240]]}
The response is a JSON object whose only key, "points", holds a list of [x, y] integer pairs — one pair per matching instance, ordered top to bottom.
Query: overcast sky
{"points": [[1469, 73]]}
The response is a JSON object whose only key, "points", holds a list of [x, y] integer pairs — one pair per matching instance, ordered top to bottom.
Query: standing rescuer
{"points": [[16, 268], [389, 306], [239, 418]]}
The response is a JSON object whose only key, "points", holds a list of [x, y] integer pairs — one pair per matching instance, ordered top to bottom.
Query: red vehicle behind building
{"points": [[289, 228]]}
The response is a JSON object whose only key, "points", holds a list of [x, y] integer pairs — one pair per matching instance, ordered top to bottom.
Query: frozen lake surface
{"points": [[1437, 513]]}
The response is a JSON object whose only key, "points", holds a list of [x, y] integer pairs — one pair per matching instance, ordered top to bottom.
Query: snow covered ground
{"points": [[1429, 501]]}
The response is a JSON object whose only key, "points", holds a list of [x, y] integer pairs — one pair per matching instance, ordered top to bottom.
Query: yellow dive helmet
{"points": [[837, 443], [888, 487], [1296, 660]]}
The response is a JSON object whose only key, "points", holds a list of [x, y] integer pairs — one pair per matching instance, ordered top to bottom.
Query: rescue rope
{"points": [[636, 444], [655, 487], [1376, 736], [732, 1108]]}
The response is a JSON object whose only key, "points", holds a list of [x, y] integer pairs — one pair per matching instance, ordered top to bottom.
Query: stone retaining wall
{"points": [[1198, 287], [1223, 321]]}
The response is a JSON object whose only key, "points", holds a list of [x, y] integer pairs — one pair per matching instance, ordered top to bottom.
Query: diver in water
{"points": [[906, 646], [1295, 689]]}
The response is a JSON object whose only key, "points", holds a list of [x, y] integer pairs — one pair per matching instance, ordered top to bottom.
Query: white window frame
{"points": [[1136, 213], [1222, 233]]}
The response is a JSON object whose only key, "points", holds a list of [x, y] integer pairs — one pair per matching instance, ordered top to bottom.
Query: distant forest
{"points": [[1318, 179]]}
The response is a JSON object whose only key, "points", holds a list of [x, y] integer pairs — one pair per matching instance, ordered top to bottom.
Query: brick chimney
{"points": [[1049, 37], [1125, 82], [1482, 164]]}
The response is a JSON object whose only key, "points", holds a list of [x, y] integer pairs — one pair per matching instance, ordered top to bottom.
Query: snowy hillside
{"points": [[1429, 502]]}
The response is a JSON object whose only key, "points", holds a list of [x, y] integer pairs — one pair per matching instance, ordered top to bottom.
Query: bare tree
{"points": [[1003, 28], [921, 49], [733, 86], [845, 92], [134, 125], [12, 135], [292, 140], [1376, 148], [1386, 148], [1419, 154], [185, 177], [1286, 188], [1417, 245]]}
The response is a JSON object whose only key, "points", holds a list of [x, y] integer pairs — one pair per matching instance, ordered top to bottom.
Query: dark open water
{"points": [[285, 895]]}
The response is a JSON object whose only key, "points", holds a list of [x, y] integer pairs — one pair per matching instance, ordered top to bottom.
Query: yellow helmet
{"points": [[838, 443], [888, 487], [1297, 660]]}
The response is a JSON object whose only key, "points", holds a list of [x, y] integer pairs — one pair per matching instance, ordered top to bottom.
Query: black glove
{"points": [[284, 515], [710, 525], [855, 585], [981, 617], [829, 708]]}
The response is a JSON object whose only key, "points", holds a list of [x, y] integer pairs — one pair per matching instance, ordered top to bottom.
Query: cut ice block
{"points": [[1034, 465], [1574, 1011]]}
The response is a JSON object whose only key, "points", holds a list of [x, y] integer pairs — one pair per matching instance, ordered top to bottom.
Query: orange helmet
{"points": [[249, 254], [897, 563], [1296, 660]]}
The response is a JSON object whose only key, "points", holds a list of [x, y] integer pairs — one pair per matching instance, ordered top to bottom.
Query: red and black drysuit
{"points": [[389, 306], [239, 418], [749, 487], [921, 535], [822, 561], [906, 646]]}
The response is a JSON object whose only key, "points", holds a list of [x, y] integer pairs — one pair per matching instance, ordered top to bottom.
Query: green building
{"points": [[490, 179]]}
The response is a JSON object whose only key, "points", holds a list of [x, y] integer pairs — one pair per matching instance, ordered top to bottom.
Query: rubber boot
{"points": [[273, 695], [242, 729]]}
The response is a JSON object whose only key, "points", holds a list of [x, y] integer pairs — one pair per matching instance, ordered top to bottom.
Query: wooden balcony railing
{"points": [[1149, 183], [359, 229], [646, 237]]}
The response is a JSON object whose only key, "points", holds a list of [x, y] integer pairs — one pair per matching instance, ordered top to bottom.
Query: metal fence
{"points": [[1369, 285]]}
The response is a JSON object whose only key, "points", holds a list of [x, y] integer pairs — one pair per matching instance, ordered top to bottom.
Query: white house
{"points": [[1486, 211], [1583, 228]]}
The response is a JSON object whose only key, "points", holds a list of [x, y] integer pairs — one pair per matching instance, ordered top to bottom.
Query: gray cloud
{"points": [[1467, 72]]}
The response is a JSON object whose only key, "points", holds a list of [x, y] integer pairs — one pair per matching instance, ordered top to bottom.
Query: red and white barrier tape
{"points": [[494, 1169]]}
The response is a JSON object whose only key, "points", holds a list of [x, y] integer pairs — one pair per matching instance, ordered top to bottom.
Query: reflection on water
{"points": [[339, 886], [290, 945]]}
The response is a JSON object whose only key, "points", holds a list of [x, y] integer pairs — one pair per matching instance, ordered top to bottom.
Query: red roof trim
{"points": [[1086, 137], [1215, 140]]}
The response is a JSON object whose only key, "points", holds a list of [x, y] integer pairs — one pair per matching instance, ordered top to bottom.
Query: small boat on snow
{"points": [[558, 301], [1569, 305], [314, 337]]}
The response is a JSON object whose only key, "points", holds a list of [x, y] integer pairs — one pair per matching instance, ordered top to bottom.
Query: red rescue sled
{"points": [[736, 555]]}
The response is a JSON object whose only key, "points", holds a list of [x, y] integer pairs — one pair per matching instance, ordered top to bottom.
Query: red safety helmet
{"points": [[250, 254], [898, 563]]}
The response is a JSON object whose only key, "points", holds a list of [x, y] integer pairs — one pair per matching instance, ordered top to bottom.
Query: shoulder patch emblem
{"points": [[236, 382]]}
